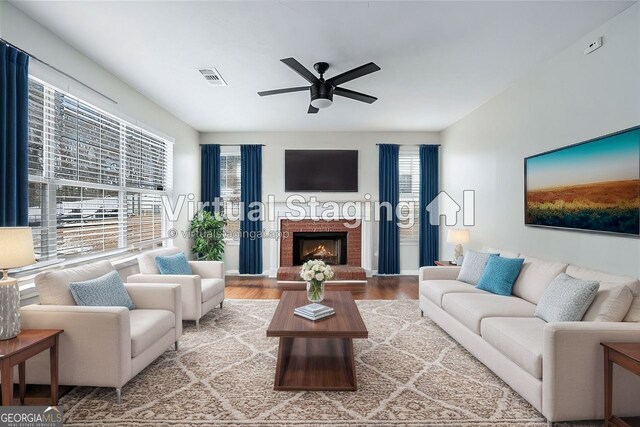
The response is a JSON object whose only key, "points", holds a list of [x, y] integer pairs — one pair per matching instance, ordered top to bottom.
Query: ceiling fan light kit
{"points": [[321, 90], [322, 95]]}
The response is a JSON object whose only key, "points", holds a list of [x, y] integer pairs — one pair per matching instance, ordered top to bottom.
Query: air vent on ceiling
{"points": [[212, 76]]}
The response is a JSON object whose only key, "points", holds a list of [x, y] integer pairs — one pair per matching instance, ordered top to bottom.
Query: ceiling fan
{"points": [[322, 90]]}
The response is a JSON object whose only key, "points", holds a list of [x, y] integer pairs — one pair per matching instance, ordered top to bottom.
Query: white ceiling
{"points": [[439, 60]]}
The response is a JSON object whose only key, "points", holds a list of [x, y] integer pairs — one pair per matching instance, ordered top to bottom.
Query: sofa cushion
{"points": [[503, 253], [147, 260], [473, 266], [499, 275], [535, 276], [602, 277], [608, 281], [53, 286], [211, 288], [434, 290], [103, 291], [566, 299], [611, 303], [469, 309], [633, 315], [147, 327], [518, 338]]}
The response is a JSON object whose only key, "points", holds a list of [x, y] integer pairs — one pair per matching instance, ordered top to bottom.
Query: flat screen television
{"points": [[321, 170], [593, 185]]}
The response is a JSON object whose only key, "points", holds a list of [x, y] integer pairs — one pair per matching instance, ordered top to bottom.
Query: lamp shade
{"points": [[458, 235], [16, 247]]}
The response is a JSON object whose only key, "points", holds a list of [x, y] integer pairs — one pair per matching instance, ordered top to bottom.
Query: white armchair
{"points": [[201, 292], [102, 346]]}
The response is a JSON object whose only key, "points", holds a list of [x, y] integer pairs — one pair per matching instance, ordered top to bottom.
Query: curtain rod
{"points": [[46, 64], [264, 145], [413, 145]]}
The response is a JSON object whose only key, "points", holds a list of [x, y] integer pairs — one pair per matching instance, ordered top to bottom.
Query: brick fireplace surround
{"points": [[352, 271]]}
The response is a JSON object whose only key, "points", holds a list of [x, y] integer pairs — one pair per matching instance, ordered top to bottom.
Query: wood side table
{"points": [[445, 264], [17, 350], [626, 355]]}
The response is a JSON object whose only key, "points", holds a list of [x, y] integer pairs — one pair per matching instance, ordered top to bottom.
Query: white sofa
{"points": [[201, 292], [102, 346], [557, 367]]}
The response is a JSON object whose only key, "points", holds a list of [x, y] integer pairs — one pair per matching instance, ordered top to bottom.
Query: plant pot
{"points": [[315, 291]]}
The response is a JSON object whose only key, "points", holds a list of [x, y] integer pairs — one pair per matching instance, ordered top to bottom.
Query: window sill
{"points": [[120, 259]]}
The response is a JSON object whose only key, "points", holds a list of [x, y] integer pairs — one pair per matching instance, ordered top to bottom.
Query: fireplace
{"points": [[333, 241], [330, 247]]}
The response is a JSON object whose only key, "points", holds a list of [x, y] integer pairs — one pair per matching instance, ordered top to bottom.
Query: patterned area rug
{"points": [[409, 371]]}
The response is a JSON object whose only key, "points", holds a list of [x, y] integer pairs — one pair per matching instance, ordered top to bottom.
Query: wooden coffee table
{"points": [[316, 355]]}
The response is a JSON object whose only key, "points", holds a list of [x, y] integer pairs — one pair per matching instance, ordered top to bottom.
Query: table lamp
{"points": [[458, 236], [16, 250]]}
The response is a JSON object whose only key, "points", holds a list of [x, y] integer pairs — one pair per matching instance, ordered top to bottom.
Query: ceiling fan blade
{"points": [[300, 69], [360, 71], [287, 90], [354, 95], [312, 109]]}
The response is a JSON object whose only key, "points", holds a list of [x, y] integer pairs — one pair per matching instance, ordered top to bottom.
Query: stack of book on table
{"points": [[314, 311]]}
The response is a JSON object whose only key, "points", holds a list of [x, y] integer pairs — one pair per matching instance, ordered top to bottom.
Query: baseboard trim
{"points": [[237, 273], [402, 273]]}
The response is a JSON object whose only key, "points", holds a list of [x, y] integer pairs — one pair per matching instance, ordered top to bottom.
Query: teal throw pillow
{"points": [[177, 264], [500, 274], [104, 291]]}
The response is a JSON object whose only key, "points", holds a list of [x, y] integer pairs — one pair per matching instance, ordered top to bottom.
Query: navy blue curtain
{"points": [[14, 134], [210, 176], [389, 181], [428, 191], [251, 224]]}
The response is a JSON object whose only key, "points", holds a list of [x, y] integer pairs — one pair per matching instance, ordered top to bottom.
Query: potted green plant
{"points": [[207, 232]]}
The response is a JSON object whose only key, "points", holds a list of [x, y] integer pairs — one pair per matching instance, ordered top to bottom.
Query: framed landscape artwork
{"points": [[591, 186]]}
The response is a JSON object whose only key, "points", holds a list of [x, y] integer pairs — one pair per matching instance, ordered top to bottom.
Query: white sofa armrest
{"points": [[208, 269], [438, 273], [191, 290], [158, 296], [95, 348], [572, 370]]}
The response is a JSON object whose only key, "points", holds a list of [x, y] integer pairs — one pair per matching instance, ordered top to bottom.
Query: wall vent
{"points": [[212, 76]]}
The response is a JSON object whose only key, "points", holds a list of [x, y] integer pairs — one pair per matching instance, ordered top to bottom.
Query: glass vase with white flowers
{"points": [[315, 272]]}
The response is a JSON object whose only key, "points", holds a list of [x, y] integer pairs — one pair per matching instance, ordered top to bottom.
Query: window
{"points": [[409, 167], [95, 181], [230, 188]]}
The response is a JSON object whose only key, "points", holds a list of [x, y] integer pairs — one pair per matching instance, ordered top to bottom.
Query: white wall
{"points": [[22, 31], [569, 99], [273, 171]]}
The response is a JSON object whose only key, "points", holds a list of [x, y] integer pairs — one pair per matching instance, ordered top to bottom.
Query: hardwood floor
{"points": [[377, 287]]}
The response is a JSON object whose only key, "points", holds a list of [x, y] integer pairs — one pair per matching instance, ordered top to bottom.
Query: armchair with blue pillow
{"points": [[202, 282], [112, 330]]}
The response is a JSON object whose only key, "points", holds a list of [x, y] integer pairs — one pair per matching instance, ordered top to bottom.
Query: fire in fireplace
{"points": [[330, 247]]}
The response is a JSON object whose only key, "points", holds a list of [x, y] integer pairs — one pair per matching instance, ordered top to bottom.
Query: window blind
{"points": [[409, 171], [230, 173], [95, 181]]}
